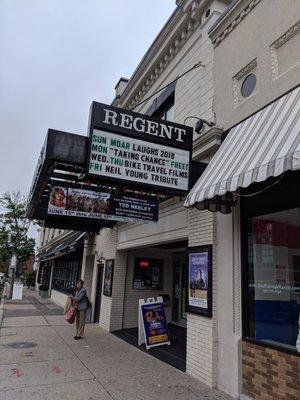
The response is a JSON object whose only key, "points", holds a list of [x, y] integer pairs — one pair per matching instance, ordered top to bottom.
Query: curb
{"points": [[1, 311]]}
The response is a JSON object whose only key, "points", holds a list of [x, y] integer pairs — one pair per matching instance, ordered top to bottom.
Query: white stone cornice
{"points": [[231, 19], [168, 43]]}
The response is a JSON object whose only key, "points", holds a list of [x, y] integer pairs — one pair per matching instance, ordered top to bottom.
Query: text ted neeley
{"points": [[163, 161]]}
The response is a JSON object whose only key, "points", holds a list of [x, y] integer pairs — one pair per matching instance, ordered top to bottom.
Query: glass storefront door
{"points": [[179, 288]]}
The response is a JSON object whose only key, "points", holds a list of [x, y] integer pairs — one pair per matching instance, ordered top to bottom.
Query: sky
{"points": [[56, 57]]}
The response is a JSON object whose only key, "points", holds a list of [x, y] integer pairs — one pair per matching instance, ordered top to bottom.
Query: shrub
{"points": [[29, 278], [44, 288]]}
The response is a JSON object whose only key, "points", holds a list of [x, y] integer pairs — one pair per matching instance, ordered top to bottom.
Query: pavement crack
{"points": [[47, 384]]}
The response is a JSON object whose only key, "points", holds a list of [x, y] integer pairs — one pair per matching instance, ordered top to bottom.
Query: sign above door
{"points": [[138, 151]]}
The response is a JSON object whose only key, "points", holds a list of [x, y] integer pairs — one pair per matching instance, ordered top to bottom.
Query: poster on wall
{"points": [[137, 150], [99, 205], [108, 277], [199, 299], [153, 323]]}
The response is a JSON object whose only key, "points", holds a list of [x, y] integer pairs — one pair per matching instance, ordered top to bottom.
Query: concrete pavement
{"points": [[39, 359]]}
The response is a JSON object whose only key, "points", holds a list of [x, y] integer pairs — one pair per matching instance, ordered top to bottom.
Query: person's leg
{"points": [[82, 315], [77, 322]]}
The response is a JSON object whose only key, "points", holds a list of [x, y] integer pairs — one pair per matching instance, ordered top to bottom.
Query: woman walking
{"points": [[81, 304]]}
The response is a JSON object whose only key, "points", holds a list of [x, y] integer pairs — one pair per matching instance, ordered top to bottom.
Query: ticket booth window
{"points": [[147, 273]]}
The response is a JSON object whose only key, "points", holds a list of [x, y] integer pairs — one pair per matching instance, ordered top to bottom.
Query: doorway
{"points": [[98, 293], [179, 315]]}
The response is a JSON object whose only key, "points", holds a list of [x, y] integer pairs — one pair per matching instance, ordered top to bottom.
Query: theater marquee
{"points": [[137, 150], [80, 203]]}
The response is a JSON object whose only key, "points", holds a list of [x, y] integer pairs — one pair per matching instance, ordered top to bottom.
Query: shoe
{"points": [[77, 337]]}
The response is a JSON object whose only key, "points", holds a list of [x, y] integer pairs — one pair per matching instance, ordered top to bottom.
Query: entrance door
{"points": [[179, 288], [98, 293]]}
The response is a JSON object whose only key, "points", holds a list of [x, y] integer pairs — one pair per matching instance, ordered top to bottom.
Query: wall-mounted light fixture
{"points": [[200, 123]]}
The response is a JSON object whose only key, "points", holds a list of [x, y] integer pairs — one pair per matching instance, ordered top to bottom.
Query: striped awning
{"points": [[264, 145]]}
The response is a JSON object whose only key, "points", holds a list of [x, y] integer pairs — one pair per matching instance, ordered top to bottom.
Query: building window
{"points": [[245, 83], [248, 85], [166, 110], [66, 272], [44, 273], [147, 273], [273, 278]]}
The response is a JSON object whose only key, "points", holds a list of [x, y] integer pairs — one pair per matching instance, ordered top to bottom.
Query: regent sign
{"points": [[137, 150]]}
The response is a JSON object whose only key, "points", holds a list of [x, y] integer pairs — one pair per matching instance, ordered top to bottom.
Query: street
{"points": [[39, 359]]}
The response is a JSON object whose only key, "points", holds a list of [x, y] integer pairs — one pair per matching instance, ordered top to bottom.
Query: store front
{"points": [[257, 170], [271, 255], [60, 266], [66, 269], [159, 270], [66, 272], [44, 273], [271, 284]]}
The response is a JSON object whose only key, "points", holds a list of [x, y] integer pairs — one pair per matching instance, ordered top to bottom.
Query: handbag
{"points": [[68, 304], [70, 316]]}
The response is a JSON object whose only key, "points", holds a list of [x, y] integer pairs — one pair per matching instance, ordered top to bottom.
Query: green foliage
{"points": [[14, 229], [29, 278], [44, 288]]}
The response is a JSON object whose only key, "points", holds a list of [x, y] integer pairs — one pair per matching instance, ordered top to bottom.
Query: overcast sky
{"points": [[57, 56]]}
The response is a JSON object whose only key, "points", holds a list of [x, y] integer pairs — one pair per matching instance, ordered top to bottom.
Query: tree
{"points": [[14, 230]]}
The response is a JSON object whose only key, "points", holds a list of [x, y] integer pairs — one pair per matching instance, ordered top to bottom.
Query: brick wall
{"points": [[106, 246], [117, 304], [111, 310], [202, 339], [270, 374]]}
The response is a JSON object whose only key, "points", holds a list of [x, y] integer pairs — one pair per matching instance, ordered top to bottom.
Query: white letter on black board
{"points": [[110, 117]]}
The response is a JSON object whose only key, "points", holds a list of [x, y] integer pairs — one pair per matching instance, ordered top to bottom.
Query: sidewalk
{"points": [[48, 364]]}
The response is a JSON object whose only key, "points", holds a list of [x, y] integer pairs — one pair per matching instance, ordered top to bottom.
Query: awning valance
{"points": [[264, 145], [68, 245]]}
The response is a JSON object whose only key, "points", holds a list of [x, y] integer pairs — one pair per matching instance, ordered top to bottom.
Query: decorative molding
{"points": [[187, 17], [237, 20], [277, 44], [162, 63], [245, 71], [236, 80], [207, 143]]}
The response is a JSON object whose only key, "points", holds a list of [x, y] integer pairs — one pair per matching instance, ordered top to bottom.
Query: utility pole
{"points": [[11, 273]]}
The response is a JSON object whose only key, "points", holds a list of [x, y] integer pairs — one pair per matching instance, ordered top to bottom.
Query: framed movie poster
{"points": [[108, 277], [199, 298]]}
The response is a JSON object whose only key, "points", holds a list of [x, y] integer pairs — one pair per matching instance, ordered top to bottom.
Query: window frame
{"points": [[245, 83], [162, 110], [255, 206], [161, 269], [66, 272]]}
